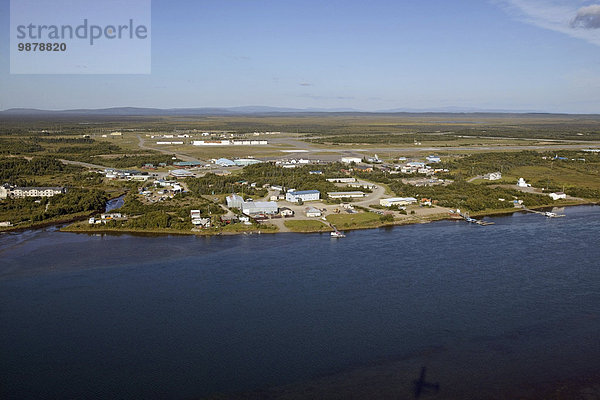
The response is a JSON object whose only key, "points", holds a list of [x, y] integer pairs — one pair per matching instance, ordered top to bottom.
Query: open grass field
{"points": [[557, 174], [358, 220], [306, 225]]}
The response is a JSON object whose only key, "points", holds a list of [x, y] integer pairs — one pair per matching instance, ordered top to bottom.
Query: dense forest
{"points": [[298, 178]]}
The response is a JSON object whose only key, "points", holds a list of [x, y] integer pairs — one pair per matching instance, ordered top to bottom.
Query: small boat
{"points": [[553, 214], [337, 234]]}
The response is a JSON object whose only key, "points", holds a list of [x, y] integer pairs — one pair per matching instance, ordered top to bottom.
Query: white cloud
{"points": [[576, 18], [587, 18]]}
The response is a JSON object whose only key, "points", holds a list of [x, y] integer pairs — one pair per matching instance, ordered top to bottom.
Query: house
{"points": [[433, 159], [348, 160], [315, 172], [493, 176], [521, 183], [305, 195], [339, 195], [558, 195], [234, 201], [397, 201], [259, 207], [286, 212], [312, 212], [195, 214], [229, 219], [244, 219], [203, 222]]}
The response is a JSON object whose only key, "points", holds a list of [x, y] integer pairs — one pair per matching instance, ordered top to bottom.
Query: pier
{"points": [[547, 214], [470, 220]]}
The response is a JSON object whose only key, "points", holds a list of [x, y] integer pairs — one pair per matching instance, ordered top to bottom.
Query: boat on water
{"points": [[337, 234]]}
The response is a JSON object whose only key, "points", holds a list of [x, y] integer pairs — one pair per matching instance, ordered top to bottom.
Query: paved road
{"points": [[335, 152], [83, 164], [372, 198]]}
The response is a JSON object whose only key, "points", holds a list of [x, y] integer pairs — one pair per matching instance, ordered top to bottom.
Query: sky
{"points": [[528, 55]]}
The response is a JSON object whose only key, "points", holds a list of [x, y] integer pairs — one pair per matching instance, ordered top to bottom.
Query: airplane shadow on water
{"points": [[422, 387]]}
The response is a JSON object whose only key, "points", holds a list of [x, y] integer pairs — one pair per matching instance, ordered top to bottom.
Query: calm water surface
{"points": [[182, 317]]}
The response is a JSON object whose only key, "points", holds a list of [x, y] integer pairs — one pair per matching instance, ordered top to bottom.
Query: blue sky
{"points": [[498, 54]]}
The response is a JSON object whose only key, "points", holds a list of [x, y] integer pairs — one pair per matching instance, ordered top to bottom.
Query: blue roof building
{"points": [[304, 195]]}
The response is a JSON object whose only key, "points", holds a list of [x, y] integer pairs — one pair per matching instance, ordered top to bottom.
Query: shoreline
{"points": [[67, 219], [258, 231]]}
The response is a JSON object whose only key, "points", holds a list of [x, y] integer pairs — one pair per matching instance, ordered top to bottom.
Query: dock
{"points": [[547, 214], [470, 220]]}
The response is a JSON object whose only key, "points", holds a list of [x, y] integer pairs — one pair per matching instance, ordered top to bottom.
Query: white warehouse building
{"points": [[348, 160], [305, 195], [341, 195], [234, 201], [397, 201], [259, 207]]}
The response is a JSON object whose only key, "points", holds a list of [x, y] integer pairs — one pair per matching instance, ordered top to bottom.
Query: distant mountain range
{"points": [[245, 110]]}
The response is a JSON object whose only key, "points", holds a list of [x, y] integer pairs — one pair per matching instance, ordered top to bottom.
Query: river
{"points": [[489, 310]]}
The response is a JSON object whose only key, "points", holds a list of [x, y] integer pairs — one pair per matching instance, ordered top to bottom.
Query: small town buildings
{"points": [[433, 159], [348, 160], [364, 168], [315, 172], [126, 174], [493, 176], [7, 190], [305, 195], [340, 195], [558, 195], [234, 201], [397, 201], [259, 207], [286, 212], [312, 212], [110, 216]]}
